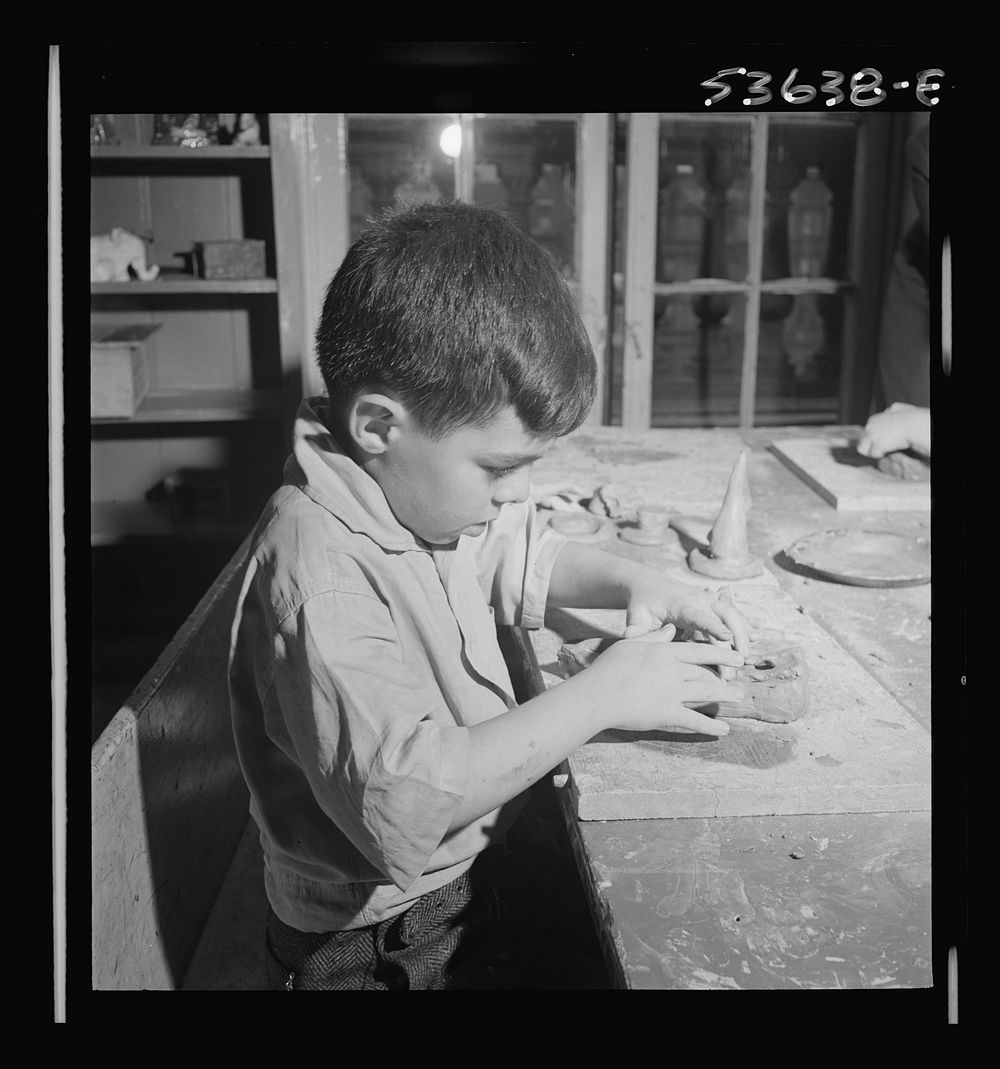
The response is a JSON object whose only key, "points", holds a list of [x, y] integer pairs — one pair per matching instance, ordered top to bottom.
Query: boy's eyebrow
{"points": [[511, 459]]}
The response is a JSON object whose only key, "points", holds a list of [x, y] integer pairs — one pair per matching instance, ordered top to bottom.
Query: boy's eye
{"points": [[499, 473]]}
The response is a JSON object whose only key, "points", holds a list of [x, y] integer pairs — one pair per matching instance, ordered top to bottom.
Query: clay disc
{"points": [[579, 526], [665, 537], [864, 558]]}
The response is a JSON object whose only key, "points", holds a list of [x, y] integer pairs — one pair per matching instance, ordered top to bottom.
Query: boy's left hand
{"points": [[652, 605]]}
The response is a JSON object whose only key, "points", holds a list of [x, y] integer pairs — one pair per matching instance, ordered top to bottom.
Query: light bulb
{"points": [[451, 140]]}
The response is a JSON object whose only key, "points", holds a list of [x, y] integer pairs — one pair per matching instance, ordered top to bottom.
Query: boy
{"points": [[373, 712]]}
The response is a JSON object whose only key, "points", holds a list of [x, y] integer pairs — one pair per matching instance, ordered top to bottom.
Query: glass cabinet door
{"points": [[543, 171], [748, 255]]}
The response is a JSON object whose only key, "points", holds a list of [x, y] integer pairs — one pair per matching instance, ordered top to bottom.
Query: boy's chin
{"points": [[449, 539]]}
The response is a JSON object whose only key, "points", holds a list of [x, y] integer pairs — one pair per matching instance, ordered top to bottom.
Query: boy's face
{"points": [[440, 489]]}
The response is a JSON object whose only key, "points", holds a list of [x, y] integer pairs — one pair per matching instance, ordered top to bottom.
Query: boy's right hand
{"points": [[657, 679]]}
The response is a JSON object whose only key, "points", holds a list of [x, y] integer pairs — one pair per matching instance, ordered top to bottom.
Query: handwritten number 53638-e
{"points": [[865, 87]]}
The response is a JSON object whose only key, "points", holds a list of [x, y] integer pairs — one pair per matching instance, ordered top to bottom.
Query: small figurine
{"points": [[238, 128], [102, 130], [194, 130], [247, 130], [111, 256], [654, 527], [729, 555]]}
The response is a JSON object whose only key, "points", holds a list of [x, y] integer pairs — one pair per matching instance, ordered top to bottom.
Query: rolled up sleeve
{"points": [[515, 559], [372, 736]]}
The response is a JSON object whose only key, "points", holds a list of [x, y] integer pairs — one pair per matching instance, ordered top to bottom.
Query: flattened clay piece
{"points": [[905, 464], [580, 526], [654, 527], [729, 555], [575, 656], [775, 688]]}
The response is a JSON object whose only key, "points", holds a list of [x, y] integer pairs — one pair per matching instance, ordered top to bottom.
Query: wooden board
{"points": [[833, 468], [856, 751], [168, 805]]}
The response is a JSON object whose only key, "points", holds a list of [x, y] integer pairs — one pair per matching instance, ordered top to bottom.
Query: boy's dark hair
{"points": [[460, 313]]}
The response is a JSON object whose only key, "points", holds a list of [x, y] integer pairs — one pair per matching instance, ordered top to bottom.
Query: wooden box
{"points": [[230, 259], [118, 375]]}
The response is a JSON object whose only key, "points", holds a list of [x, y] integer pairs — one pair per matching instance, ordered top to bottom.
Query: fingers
{"points": [[866, 445], [733, 619], [639, 620], [706, 620], [720, 622], [658, 634], [706, 653], [710, 690], [690, 720]]}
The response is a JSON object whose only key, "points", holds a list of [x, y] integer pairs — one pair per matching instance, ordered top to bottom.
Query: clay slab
{"points": [[832, 467], [856, 751]]}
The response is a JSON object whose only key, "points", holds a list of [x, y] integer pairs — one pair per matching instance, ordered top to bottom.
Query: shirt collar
{"points": [[332, 479]]}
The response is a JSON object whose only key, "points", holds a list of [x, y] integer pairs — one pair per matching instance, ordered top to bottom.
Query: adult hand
{"points": [[900, 426]]}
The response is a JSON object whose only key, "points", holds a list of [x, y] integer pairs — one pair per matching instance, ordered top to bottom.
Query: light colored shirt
{"points": [[360, 656]]}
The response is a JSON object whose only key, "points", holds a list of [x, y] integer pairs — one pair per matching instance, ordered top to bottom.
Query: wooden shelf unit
{"points": [[180, 152], [180, 284], [229, 353], [204, 406]]}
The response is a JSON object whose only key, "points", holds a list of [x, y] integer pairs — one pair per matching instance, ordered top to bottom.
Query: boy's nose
{"points": [[515, 488]]}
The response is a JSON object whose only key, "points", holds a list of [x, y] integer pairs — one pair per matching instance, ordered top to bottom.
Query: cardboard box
{"points": [[230, 259], [118, 374]]}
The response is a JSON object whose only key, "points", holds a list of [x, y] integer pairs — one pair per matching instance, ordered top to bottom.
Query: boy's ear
{"points": [[371, 420]]}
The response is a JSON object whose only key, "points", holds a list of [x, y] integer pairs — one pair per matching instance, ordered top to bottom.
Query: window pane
{"points": [[397, 159], [526, 167], [810, 175], [703, 201], [800, 358], [697, 360]]}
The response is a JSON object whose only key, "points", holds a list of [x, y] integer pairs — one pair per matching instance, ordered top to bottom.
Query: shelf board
{"points": [[179, 152], [187, 284], [774, 285], [203, 406], [113, 522]]}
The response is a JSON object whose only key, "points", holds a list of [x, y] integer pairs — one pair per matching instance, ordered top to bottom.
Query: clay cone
{"points": [[729, 555]]}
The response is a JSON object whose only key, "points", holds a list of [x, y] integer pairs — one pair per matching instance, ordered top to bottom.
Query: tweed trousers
{"points": [[491, 928]]}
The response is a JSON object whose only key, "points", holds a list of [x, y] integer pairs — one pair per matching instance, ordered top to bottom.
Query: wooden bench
{"points": [[169, 809]]}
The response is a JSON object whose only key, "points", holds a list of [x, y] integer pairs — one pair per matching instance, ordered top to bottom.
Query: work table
{"points": [[782, 900], [808, 900]]}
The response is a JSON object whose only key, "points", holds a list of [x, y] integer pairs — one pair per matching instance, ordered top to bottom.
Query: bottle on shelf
{"points": [[419, 187], [488, 191], [549, 215], [682, 216], [810, 216], [737, 228], [803, 336]]}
